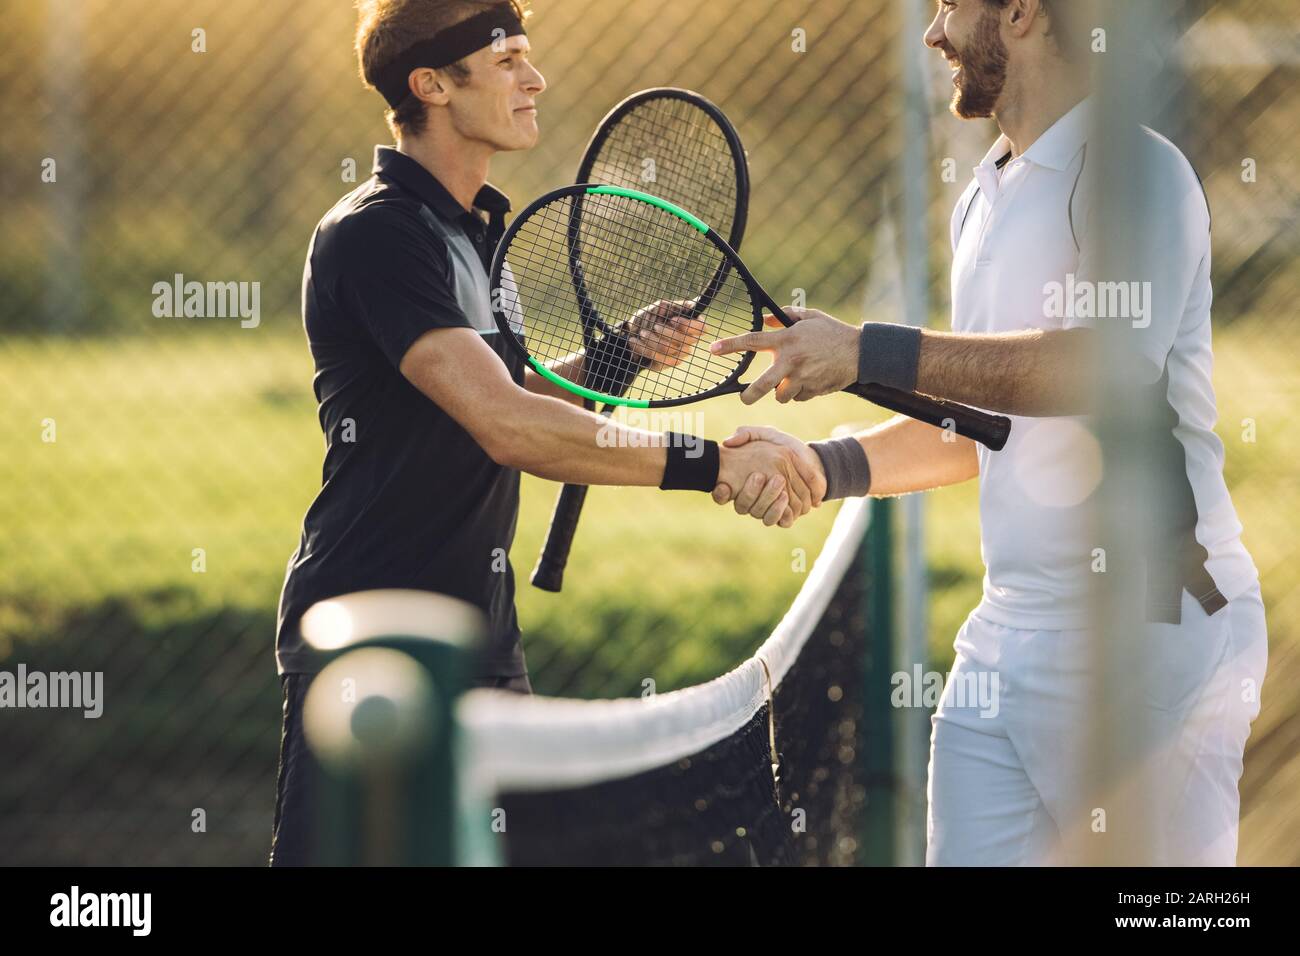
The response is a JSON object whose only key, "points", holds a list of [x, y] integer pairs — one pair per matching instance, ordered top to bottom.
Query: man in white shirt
{"points": [[1005, 781]]}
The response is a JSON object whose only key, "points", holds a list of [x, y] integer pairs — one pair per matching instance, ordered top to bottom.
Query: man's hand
{"points": [[662, 335], [815, 356], [781, 481], [760, 494]]}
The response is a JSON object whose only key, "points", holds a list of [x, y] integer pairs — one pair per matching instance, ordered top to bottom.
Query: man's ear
{"points": [[1021, 15], [430, 86]]}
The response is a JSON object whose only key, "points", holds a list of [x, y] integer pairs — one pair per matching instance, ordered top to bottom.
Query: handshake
{"points": [[770, 475]]}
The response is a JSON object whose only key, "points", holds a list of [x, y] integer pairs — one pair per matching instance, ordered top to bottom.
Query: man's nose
{"points": [[934, 36]]}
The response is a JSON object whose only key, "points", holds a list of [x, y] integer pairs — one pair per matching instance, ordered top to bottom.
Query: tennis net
{"points": [[687, 777]]}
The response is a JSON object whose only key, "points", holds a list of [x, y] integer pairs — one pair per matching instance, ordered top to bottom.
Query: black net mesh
{"points": [[721, 806]]}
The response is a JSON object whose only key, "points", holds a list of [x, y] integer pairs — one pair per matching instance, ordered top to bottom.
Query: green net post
{"points": [[380, 719], [879, 776]]}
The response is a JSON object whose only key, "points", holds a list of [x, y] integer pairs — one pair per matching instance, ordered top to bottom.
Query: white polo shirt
{"points": [[1019, 234]]}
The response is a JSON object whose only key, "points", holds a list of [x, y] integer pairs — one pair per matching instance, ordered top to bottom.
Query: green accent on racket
{"points": [[663, 204], [587, 393]]}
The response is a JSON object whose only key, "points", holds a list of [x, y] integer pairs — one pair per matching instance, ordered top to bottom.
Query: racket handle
{"points": [[988, 429], [549, 573]]}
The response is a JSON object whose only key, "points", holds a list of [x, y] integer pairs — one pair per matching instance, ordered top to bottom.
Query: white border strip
{"points": [[516, 743]]}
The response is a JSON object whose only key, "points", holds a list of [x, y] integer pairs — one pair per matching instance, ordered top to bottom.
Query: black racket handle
{"points": [[988, 429], [549, 573]]}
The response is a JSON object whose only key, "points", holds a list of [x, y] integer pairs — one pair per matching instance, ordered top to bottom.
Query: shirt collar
{"points": [[1056, 148], [997, 156], [986, 173], [410, 175]]}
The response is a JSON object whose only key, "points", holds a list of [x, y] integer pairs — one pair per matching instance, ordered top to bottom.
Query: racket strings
{"points": [[673, 149], [650, 242], [634, 257], [695, 276], [609, 367]]}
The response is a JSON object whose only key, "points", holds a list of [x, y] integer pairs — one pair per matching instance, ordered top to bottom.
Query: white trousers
{"points": [[1006, 767]]}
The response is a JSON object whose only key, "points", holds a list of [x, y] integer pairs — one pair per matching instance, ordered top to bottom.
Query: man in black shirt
{"points": [[428, 416]]}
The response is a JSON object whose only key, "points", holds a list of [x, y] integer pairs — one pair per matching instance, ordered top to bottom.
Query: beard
{"points": [[983, 71]]}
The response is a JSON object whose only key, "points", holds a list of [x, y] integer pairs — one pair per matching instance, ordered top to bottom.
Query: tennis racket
{"points": [[677, 145], [637, 250]]}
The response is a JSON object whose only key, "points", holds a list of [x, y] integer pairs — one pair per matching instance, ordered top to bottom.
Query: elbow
{"points": [[1074, 368], [1059, 378], [1052, 399], [506, 439], [504, 449]]}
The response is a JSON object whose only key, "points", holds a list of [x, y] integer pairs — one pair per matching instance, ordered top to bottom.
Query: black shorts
{"points": [[295, 797]]}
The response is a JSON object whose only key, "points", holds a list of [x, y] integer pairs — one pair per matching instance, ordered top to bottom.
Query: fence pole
{"points": [[64, 84], [914, 173], [1122, 824]]}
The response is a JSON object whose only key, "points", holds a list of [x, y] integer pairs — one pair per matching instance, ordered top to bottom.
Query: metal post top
{"points": [[350, 619]]}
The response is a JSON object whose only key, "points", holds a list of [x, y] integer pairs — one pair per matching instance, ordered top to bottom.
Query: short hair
{"points": [[388, 28]]}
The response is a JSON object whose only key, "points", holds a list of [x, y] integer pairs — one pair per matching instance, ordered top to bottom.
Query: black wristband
{"points": [[889, 354], [611, 366], [844, 460], [693, 463]]}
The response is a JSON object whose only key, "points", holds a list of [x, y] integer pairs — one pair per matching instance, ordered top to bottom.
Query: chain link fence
{"points": [[156, 468]]}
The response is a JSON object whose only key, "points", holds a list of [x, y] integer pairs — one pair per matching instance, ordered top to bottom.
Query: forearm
{"points": [[569, 369], [1032, 373], [546, 436], [556, 440], [907, 456]]}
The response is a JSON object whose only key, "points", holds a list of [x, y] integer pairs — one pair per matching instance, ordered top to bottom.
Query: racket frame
{"points": [[548, 575]]}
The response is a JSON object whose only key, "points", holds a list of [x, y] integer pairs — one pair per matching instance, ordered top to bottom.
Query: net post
{"points": [[380, 721], [880, 819]]}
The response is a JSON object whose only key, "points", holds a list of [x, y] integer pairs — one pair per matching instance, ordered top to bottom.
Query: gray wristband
{"points": [[889, 354], [848, 475]]}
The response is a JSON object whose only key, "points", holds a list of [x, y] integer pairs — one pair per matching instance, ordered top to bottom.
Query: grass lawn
{"points": [[166, 446]]}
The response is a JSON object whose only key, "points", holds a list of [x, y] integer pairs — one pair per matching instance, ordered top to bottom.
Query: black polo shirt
{"points": [[408, 499]]}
